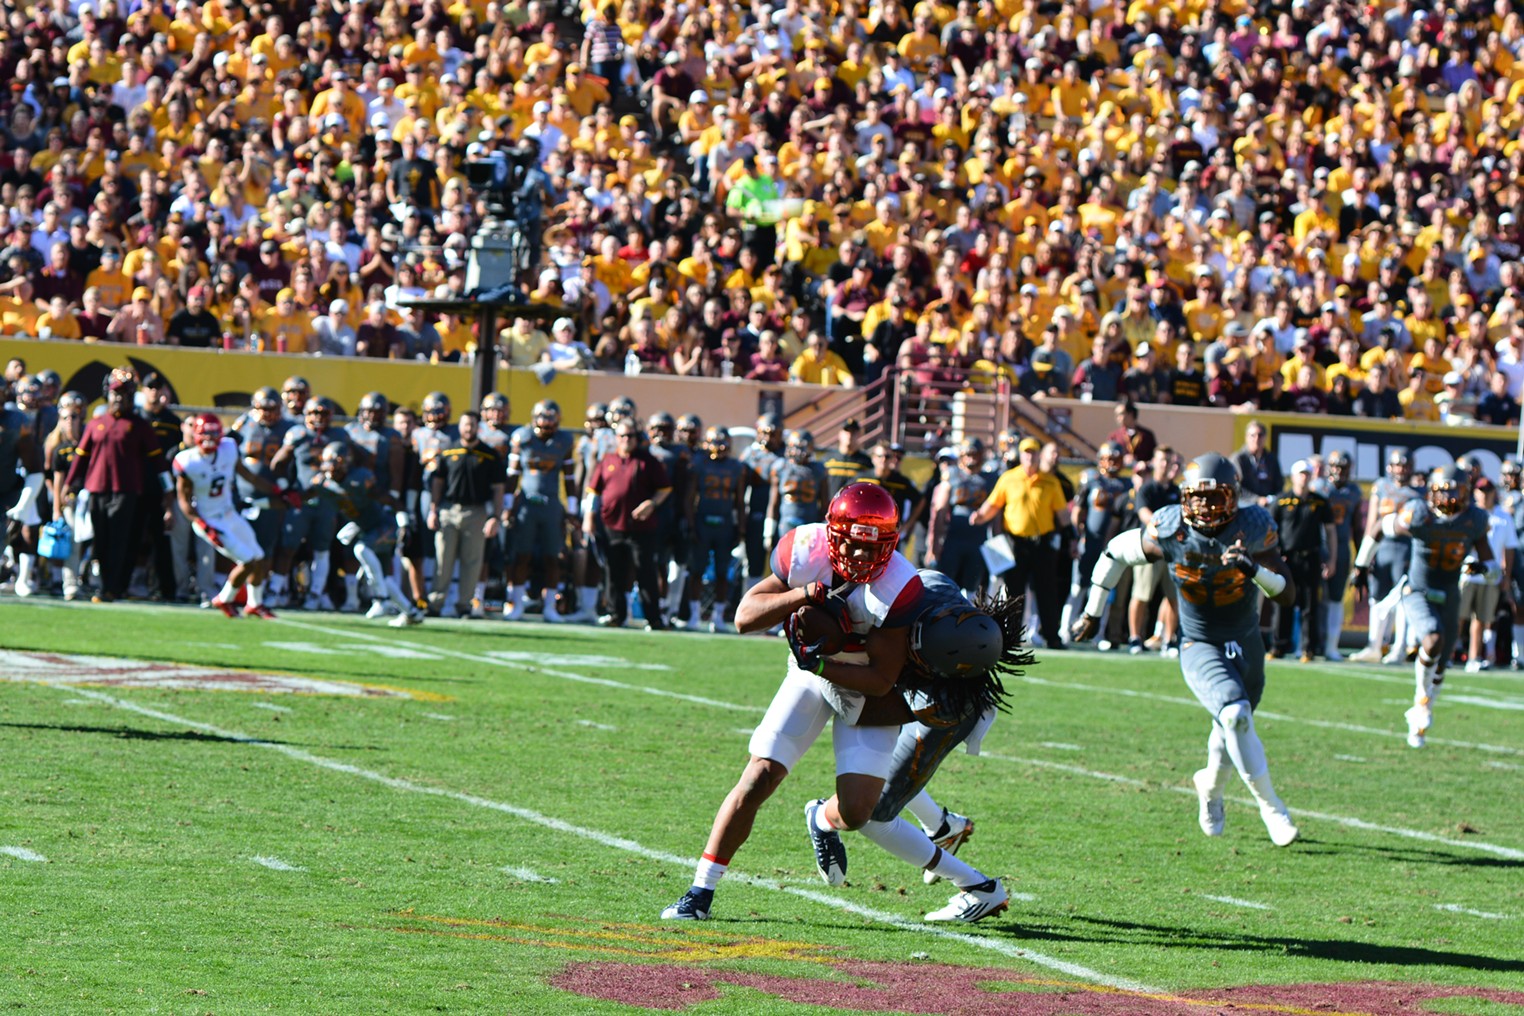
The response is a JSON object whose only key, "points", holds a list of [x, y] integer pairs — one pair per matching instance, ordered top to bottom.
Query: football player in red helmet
{"points": [[863, 523], [848, 566]]}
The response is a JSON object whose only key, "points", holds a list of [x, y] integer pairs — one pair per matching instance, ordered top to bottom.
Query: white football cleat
{"points": [[378, 609], [477, 610], [515, 612], [408, 619], [1370, 654], [1395, 656], [1420, 717], [1210, 798], [958, 828], [1283, 831], [830, 854], [974, 903]]}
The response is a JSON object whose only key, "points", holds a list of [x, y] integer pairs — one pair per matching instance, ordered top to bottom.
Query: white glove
{"points": [[404, 520]]}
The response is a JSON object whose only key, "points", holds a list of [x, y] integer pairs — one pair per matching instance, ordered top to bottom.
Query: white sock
{"points": [[371, 564], [24, 565], [320, 573], [229, 592], [256, 593], [480, 594], [1399, 626], [1518, 641], [1423, 673], [1245, 749], [1218, 763], [1263, 792], [926, 811], [821, 822], [902, 840], [955, 871], [708, 873]]}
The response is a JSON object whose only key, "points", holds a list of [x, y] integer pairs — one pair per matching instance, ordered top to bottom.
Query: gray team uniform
{"points": [[13, 424], [497, 440], [429, 443], [257, 444], [377, 444], [761, 463], [541, 465], [799, 487], [1103, 500], [353, 501], [1512, 502], [1344, 503], [315, 521], [714, 525], [1438, 550], [1392, 555], [962, 559], [1222, 654], [924, 743]]}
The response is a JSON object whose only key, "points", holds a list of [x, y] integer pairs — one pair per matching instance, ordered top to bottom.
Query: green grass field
{"points": [[490, 817]]}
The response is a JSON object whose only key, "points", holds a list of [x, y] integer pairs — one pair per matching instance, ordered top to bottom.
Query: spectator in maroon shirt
{"points": [[767, 363], [1233, 386], [1137, 440], [120, 463], [630, 485]]}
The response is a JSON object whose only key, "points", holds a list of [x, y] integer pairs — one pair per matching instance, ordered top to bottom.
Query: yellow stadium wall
{"points": [[202, 377]]}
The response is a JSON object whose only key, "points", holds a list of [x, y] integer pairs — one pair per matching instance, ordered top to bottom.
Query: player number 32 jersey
{"points": [[211, 476]]}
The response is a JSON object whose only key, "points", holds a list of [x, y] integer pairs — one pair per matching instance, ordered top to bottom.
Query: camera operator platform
{"points": [[504, 250]]}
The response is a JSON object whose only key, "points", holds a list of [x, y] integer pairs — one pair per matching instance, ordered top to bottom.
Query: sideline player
{"points": [[761, 459], [540, 464], [205, 476], [1344, 498], [716, 515], [1444, 527], [366, 531], [1217, 553], [1384, 561], [847, 565], [947, 695]]}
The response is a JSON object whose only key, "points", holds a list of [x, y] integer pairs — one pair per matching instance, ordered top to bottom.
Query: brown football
{"points": [[816, 625]]}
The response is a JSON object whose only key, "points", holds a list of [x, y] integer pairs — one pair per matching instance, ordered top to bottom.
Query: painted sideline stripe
{"points": [[565, 675], [1178, 700], [1349, 821], [630, 846], [23, 854], [274, 863], [528, 875], [1234, 901], [1456, 908]]}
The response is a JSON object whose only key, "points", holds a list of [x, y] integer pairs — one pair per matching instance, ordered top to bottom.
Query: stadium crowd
{"points": [[1282, 205]]}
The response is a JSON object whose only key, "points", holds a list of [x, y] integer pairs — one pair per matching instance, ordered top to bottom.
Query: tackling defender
{"points": [[204, 481], [1443, 528], [1216, 552], [847, 565], [947, 695]]}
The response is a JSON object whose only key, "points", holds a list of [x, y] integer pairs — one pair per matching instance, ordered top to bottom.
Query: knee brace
{"points": [[1236, 717]]}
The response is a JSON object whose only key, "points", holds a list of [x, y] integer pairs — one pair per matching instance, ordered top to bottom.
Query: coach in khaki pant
{"points": [[468, 502]]}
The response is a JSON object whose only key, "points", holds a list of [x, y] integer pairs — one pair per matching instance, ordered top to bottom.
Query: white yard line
{"points": [[565, 675], [272, 707], [438, 716], [595, 726], [1060, 746], [1350, 758], [1510, 766], [1064, 768], [23, 854], [274, 863], [528, 875], [1234, 901], [1456, 908], [997, 945]]}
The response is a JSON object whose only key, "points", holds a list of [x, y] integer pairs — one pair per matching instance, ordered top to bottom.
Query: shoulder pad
{"points": [[1258, 528]]}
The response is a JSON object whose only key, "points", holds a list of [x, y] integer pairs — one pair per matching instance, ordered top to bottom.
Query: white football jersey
{"points": [[211, 476]]}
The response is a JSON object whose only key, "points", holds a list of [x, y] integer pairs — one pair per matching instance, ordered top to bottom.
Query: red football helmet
{"points": [[207, 431], [863, 524]]}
